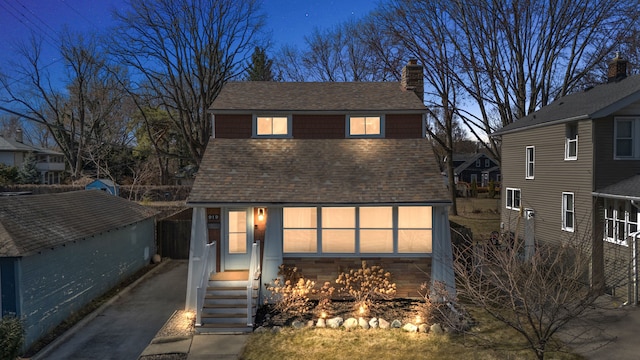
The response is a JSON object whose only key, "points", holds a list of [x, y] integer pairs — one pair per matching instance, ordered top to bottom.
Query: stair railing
{"points": [[208, 268], [254, 276]]}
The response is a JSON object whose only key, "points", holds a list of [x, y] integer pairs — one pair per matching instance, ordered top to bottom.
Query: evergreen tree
{"points": [[260, 67], [28, 173]]}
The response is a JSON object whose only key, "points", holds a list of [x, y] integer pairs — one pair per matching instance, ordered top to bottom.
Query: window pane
{"points": [[264, 125], [280, 126], [357, 126], [372, 126], [624, 129], [624, 147], [573, 148], [509, 198], [516, 198], [339, 217], [376, 217], [412, 217], [300, 218], [569, 220], [237, 232], [300, 241], [338, 241], [376, 241], [414, 241]]}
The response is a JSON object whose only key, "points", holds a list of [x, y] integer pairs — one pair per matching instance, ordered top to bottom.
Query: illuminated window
{"points": [[272, 126], [365, 126], [338, 229], [376, 229], [414, 229], [300, 230], [237, 232]]}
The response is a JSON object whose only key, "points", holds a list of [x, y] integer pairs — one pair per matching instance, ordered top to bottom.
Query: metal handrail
{"points": [[208, 267], [254, 275]]}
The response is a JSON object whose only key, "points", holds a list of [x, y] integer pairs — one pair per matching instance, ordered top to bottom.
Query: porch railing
{"points": [[208, 267], [254, 276]]}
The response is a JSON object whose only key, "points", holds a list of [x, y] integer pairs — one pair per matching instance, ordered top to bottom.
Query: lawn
{"points": [[481, 215]]}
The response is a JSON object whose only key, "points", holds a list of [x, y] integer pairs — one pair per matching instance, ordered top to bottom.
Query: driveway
{"points": [[125, 328]]}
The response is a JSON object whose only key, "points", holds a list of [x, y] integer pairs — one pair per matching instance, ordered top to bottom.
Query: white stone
{"points": [[335, 322], [321, 323], [350, 323], [363, 323], [373, 323], [297, 324], [384, 324], [396, 324], [410, 328], [423, 328], [436, 329]]}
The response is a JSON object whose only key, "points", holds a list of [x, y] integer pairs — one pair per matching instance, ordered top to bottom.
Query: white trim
{"points": [[635, 134], [569, 140], [530, 162], [512, 198], [565, 210], [612, 221]]}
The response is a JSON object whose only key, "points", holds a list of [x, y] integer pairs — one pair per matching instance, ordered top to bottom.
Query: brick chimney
{"points": [[617, 68], [412, 78], [19, 136]]}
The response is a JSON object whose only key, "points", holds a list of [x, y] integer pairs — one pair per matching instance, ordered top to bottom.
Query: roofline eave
{"points": [[547, 123], [196, 204]]}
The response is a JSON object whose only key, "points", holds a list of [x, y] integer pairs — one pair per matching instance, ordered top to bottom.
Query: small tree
{"points": [[260, 67], [28, 173], [492, 189], [536, 297], [11, 337]]}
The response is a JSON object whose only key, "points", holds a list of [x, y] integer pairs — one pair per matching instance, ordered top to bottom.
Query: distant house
{"points": [[50, 164], [477, 167], [570, 170], [319, 176], [105, 185], [60, 251]]}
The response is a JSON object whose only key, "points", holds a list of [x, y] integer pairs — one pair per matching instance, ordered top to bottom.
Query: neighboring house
{"points": [[50, 164], [478, 167], [570, 170], [321, 176], [105, 185], [60, 251]]}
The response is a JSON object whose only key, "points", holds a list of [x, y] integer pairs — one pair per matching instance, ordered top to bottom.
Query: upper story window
{"points": [[272, 126], [365, 126], [625, 138], [571, 142], [478, 162], [530, 162], [487, 163], [513, 199]]}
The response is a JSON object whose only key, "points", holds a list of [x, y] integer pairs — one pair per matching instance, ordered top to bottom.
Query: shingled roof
{"points": [[267, 96], [597, 102], [323, 171], [626, 189], [31, 223]]}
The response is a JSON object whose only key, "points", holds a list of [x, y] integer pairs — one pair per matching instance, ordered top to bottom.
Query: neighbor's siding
{"points": [[607, 170], [553, 176], [406, 272], [8, 281], [57, 282]]}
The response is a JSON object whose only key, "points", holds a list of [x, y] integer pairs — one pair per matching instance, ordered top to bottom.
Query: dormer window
{"points": [[272, 126], [365, 126]]}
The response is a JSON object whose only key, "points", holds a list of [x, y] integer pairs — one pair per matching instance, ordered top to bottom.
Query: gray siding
{"points": [[607, 170], [553, 176], [55, 283]]}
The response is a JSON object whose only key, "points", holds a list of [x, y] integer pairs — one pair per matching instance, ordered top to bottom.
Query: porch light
{"points": [[261, 214]]}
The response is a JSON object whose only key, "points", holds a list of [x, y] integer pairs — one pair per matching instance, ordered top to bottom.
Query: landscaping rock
{"points": [[335, 322], [310, 323], [321, 323], [350, 323], [363, 323], [373, 323], [297, 324], [384, 324], [396, 324], [410, 327], [423, 328], [261, 329], [276, 329], [436, 329]]}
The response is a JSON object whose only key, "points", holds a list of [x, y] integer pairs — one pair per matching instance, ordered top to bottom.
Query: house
{"points": [[50, 164], [477, 167], [570, 171], [319, 176], [105, 185], [60, 251]]}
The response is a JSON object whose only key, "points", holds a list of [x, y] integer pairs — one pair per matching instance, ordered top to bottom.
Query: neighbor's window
{"points": [[272, 126], [365, 126], [624, 130], [571, 142], [530, 162], [487, 163], [513, 199], [568, 211], [621, 220], [414, 227], [300, 228], [338, 229], [237, 231]]}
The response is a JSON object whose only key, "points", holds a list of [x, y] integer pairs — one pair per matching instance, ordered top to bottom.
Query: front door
{"points": [[239, 235]]}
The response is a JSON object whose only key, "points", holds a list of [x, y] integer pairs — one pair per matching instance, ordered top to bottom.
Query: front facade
{"points": [[50, 164], [478, 167], [567, 170], [322, 176], [60, 251]]}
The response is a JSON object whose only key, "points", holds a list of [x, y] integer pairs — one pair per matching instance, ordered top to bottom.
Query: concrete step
{"points": [[224, 329]]}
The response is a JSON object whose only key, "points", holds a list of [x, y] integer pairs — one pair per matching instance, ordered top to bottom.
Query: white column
{"points": [[197, 244], [272, 257], [442, 261]]}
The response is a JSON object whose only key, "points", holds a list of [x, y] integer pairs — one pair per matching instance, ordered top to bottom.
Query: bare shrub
{"points": [[367, 285], [290, 295], [438, 307]]}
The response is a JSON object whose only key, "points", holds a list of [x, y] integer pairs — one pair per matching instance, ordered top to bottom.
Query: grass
{"points": [[481, 215], [489, 340]]}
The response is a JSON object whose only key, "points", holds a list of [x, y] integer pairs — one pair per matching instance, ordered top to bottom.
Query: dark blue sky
{"points": [[288, 20]]}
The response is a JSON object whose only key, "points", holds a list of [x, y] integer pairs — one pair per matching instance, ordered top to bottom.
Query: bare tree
{"points": [[185, 51], [535, 294]]}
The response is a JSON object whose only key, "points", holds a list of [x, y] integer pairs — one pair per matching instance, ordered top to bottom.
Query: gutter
{"points": [[554, 122]]}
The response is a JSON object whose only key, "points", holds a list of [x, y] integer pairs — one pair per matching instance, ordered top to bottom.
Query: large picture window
{"points": [[372, 230]]}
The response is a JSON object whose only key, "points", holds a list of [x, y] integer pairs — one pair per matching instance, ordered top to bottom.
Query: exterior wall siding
{"points": [[233, 126], [319, 126], [400, 126], [609, 171], [552, 176], [407, 272], [55, 283]]}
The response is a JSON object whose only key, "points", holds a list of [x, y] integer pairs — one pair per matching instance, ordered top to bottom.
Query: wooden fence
{"points": [[174, 234]]}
